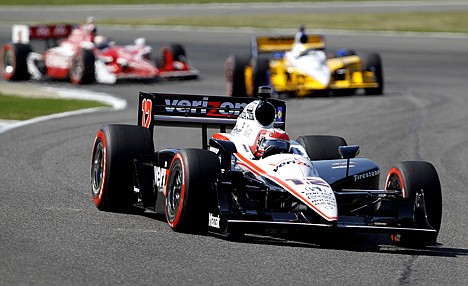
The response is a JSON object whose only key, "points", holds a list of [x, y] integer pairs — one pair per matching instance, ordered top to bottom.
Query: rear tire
{"points": [[178, 52], [169, 54], [372, 62], [13, 64], [82, 70], [260, 73], [235, 75], [322, 147], [112, 164], [411, 177], [191, 180]]}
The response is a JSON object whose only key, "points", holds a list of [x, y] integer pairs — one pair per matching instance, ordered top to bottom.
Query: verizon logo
{"points": [[204, 106]]}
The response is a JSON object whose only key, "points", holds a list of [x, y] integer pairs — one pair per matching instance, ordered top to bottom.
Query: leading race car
{"points": [[82, 56], [301, 66], [254, 179]]}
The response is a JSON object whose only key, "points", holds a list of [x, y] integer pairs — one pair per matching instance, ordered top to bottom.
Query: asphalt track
{"points": [[51, 233]]}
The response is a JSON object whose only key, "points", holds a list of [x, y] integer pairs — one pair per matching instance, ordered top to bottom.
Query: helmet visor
{"points": [[281, 144]]}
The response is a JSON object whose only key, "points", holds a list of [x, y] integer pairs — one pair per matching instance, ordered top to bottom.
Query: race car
{"points": [[78, 54], [301, 65], [250, 177]]}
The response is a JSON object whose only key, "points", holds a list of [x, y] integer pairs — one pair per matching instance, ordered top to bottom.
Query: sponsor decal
{"points": [[60, 30], [43, 31], [50, 31], [278, 40], [146, 107], [210, 108], [248, 112], [279, 114], [238, 129], [248, 131], [214, 150], [290, 161], [284, 163], [342, 165], [366, 175], [160, 176], [309, 181], [319, 197], [213, 221]]}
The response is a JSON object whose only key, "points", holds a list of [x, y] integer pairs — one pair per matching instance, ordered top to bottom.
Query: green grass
{"points": [[133, 2], [436, 21], [443, 21], [22, 108]]}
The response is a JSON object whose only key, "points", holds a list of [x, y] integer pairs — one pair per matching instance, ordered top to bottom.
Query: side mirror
{"points": [[348, 152]]}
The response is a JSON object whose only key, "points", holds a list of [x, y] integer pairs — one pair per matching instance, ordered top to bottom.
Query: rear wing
{"points": [[22, 34], [284, 43], [201, 111]]}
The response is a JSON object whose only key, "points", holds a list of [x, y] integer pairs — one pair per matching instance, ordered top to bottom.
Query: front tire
{"points": [[169, 54], [373, 63], [13, 65], [82, 70], [260, 74], [235, 75], [322, 147], [112, 164], [415, 179], [191, 180]]}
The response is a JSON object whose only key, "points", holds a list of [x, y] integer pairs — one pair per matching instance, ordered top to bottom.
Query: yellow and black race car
{"points": [[300, 65]]}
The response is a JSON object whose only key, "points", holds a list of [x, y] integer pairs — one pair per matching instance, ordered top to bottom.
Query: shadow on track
{"points": [[356, 242]]}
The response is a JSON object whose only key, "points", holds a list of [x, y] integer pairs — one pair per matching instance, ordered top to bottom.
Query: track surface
{"points": [[51, 233]]}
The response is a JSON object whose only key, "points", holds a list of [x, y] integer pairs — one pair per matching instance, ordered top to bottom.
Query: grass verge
{"points": [[136, 2], [440, 21], [21, 108]]}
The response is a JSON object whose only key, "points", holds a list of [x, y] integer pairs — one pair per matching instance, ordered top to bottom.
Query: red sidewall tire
{"points": [[7, 48], [14, 58], [112, 165], [396, 172], [413, 179], [190, 185], [98, 196], [174, 221]]}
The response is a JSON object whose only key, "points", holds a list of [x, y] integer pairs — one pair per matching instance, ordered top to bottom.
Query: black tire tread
{"points": [[21, 52], [373, 62], [235, 74], [123, 142], [202, 168], [421, 175]]}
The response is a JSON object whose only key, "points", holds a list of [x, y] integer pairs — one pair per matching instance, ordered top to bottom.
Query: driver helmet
{"points": [[90, 26], [301, 36], [101, 42], [140, 42], [271, 141]]}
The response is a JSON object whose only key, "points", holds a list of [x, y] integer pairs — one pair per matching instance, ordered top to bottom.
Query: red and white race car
{"points": [[83, 57]]}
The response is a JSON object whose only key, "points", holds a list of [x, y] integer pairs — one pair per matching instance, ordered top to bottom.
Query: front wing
{"points": [[246, 226]]}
